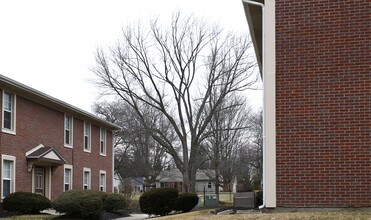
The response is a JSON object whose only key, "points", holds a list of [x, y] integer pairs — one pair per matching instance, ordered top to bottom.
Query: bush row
{"points": [[162, 201], [79, 203]]}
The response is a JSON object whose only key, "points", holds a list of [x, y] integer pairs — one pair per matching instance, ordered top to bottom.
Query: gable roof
{"points": [[44, 99], [47, 154]]}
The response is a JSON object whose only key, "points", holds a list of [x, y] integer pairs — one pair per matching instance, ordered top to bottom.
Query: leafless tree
{"points": [[175, 71], [229, 133], [136, 152], [252, 156]]}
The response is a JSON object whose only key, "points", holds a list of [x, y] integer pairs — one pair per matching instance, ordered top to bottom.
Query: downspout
{"points": [[264, 105]]}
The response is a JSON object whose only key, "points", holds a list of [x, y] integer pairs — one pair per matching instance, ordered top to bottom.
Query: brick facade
{"points": [[323, 103], [38, 123]]}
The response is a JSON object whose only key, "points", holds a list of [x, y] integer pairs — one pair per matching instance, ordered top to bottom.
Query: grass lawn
{"points": [[356, 214], [30, 217]]}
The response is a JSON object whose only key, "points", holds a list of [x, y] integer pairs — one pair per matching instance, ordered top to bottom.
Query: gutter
{"points": [[251, 2]]}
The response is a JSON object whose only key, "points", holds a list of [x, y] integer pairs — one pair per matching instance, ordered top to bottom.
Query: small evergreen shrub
{"points": [[159, 201], [114, 202], [186, 202], [26, 203], [83, 203], [92, 205]]}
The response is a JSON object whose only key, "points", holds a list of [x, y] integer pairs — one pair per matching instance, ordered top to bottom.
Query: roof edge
{"points": [[52, 102]]}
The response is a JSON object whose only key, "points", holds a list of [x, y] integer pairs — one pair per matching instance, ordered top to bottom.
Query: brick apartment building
{"points": [[315, 58], [48, 146]]}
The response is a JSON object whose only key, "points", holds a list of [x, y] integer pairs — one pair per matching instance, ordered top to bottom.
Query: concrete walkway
{"points": [[135, 217]]}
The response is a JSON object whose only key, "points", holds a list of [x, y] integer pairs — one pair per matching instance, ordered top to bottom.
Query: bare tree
{"points": [[175, 71], [229, 133], [136, 152], [252, 156]]}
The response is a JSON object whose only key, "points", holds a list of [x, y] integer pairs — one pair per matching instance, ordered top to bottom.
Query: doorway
{"points": [[39, 180]]}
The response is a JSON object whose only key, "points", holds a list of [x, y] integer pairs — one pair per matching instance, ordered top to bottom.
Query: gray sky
{"points": [[50, 44]]}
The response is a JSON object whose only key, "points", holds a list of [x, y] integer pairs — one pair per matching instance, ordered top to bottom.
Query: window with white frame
{"points": [[8, 112], [68, 130], [87, 131], [102, 141], [8, 175], [67, 177], [87, 178], [102, 180]]}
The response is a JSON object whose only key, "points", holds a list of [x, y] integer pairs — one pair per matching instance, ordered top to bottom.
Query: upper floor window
{"points": [[8, 112], [68, 130], [87, 136], [102, 141]]}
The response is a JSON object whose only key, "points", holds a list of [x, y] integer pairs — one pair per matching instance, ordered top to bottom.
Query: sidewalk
{"points": [[134, 217]]}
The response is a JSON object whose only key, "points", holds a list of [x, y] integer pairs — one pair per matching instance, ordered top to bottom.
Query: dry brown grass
{"points": [[356, 214]]}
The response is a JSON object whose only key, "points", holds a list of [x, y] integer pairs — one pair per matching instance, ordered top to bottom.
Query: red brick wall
{"points": [[323, 103], [37, 124]]}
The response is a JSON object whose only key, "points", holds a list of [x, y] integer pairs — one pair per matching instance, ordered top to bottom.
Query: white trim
{"points": [[269, 100], [269, 109], [11, 131], [89, 138], [105, 141], [70, 145], [34, 149], [112, 164], [70, 167], [85, 169], [12, 172], [48, 180], [105, 180]]}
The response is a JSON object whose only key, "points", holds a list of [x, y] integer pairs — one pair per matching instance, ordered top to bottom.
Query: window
{"points": [[8, 112], [68, 130], [86, 136], [102, 141], [8, 175], [67, 177], [86, 179], [102, 180], [209, 185]]}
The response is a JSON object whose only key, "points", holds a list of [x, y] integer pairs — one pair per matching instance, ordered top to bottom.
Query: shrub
{"points": [[159, 201], [26, 202], [114, 202], [186, 202], [84, 203], [92, 205]]}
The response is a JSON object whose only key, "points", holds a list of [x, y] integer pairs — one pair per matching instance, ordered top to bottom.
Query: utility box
{"points": [[244, 200], [210, 201]]}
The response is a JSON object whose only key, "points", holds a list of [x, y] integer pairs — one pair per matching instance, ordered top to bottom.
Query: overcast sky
{"points": [[50, 45]]}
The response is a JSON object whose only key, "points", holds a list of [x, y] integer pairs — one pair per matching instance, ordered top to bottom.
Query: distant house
{"points": [[48, 146], [173, 178], [137, 183]]}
